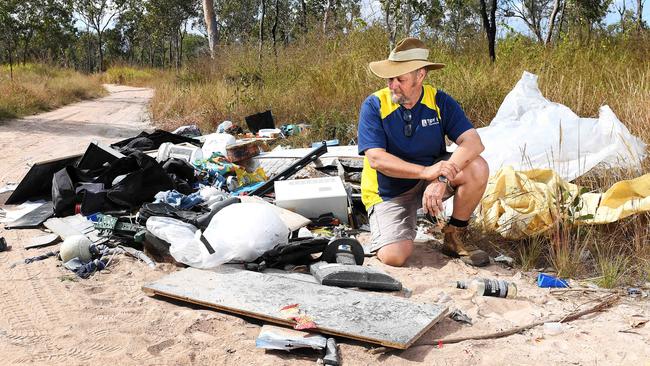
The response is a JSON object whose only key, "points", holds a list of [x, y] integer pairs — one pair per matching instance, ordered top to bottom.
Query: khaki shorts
{"points": [[396, 219]]}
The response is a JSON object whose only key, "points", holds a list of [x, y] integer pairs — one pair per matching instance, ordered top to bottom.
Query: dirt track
{"points": [[68, 130], [48, 317]]}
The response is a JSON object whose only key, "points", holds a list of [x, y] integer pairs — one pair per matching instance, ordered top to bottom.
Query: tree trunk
{"points": [[303, 5], [621, 12], [639, 15], [326, 16], [407, 16], [210, 20], [551, 21], [561, 22], [489, 24], [274, 29], [392, 30], [261, 34], [28, 39], [180, 47], [101, 52], [171, 53], [11, 62]]}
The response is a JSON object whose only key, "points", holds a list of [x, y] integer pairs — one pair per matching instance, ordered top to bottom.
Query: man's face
{"points": [[405, 87]]}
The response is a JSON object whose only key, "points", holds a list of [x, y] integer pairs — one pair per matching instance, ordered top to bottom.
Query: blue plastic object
{"points": [[547, 281]]}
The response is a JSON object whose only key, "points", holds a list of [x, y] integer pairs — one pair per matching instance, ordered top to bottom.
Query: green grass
{"points": [[37, 88]]}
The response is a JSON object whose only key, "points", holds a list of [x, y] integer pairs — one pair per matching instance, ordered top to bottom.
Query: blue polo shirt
{"points": [[381, 125]]}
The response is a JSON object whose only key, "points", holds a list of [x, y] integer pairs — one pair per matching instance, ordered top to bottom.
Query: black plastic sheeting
{"points": [[141, 177]]}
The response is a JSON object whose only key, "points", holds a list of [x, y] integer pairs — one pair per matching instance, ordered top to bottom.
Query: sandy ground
{"points": [[48, 317]]}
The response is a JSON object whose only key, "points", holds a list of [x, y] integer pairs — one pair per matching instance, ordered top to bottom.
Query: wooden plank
{"points": [[371, 317]]}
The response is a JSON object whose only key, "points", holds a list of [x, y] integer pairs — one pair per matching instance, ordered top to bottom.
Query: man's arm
{"points": [[469, 148], [392, 166]]}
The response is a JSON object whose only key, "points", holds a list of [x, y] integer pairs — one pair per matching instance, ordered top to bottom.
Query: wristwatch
{"points": [[443, 179]]}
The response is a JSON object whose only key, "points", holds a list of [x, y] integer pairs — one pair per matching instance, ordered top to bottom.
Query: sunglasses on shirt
{"points": [[407, 116]]}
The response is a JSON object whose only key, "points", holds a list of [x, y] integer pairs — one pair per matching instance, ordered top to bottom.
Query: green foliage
{"points": [[530, 250], [612, 270]]}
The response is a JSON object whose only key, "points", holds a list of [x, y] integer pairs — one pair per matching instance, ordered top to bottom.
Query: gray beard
{"points": [[398, 100]]}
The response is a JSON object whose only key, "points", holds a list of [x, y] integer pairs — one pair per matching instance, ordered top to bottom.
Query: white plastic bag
{"points": [[531, 132], [216, 142], [239, 232], [243, 232], [181, 237]]}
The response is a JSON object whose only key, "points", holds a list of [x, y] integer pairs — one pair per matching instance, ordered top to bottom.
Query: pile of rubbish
{"points": [[198, 200]]}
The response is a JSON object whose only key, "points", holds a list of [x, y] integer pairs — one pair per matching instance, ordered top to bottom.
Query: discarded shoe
{"points": [[454, 247]]}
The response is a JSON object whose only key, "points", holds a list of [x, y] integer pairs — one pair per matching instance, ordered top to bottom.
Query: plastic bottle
{"points": [[488, 287]]}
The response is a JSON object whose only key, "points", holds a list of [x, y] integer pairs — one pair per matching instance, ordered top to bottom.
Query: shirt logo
{"points": [[430, 121]]}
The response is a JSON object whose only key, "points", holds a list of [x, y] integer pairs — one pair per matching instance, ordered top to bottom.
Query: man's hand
{"points": [[446, 168], [432, 198]]}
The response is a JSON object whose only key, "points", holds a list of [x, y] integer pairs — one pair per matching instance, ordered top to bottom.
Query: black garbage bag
{"points": [[151, 141], [182, 174], [141, 177], [144, 178], [166, 210], [296, 252]]}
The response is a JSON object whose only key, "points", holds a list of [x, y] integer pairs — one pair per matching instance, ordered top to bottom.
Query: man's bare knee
{"points": [[479, 170], [396, 254]]}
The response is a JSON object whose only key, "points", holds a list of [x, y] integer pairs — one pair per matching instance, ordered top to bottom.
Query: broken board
{"points": [[34, 218], [66, 227], [43, 241], [365, 316]]}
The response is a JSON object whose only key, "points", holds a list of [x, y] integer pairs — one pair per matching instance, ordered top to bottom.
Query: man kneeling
{"points": [[402, 131]]}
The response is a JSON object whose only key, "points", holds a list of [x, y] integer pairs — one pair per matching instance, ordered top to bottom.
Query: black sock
{"points": [[458, 223]]}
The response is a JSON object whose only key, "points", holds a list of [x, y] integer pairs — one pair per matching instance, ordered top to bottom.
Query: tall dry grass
{"points": [[322, 81], [37, 88]]}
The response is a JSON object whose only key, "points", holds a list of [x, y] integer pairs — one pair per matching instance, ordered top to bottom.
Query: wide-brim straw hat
{"points": [[409, 55]]}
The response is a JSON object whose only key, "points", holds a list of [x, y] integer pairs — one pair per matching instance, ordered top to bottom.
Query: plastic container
{"points": [[269, 132], [188, 153], [547, 281], [489, 287]]}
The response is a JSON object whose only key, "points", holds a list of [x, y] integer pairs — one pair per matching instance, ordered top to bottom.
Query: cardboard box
{"points": [[242, 150], [313, 197]]}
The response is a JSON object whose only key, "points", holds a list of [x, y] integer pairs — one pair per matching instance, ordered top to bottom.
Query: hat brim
{"points": [[387, 69]]}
